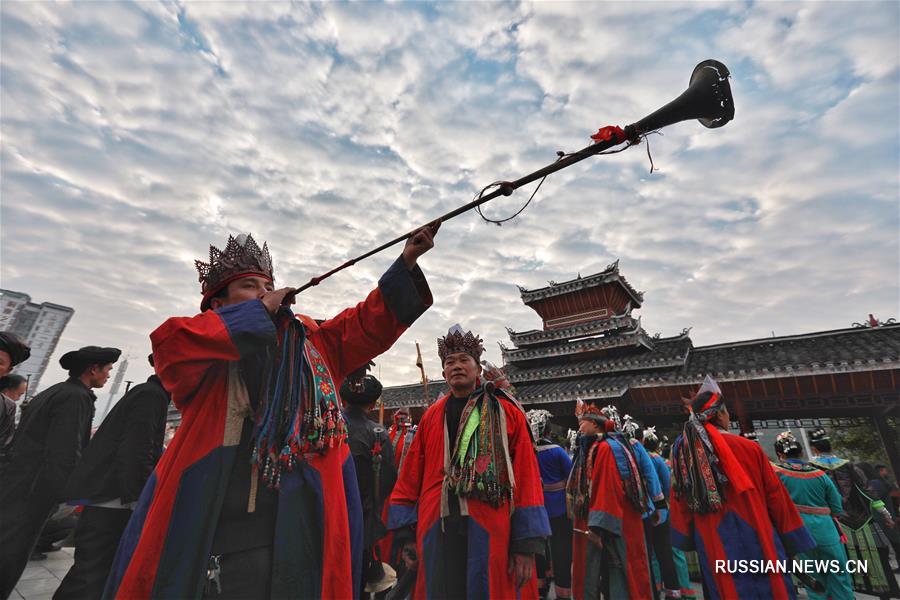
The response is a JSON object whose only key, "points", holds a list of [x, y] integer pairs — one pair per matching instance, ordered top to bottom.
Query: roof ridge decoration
{"points": [[872, 321]]}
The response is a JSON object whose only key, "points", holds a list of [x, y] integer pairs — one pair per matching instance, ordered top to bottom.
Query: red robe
{"points": [[401, 438], [417, 500], [760, 524], [621, 525], [165, 548]]}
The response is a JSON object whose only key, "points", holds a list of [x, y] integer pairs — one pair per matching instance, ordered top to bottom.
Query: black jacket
{"points": [[7, 422], [49, 441], [126, 447], [373, 458]]}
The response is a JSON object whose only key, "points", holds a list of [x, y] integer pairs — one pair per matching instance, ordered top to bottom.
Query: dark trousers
{"points": [[20, 527], [659, 538], [96, 540], [561, 552], [560, 557], [243, 575]]}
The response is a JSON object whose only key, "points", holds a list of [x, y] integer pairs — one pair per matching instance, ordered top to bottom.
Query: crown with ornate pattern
{"points": [[242, 257], [457, 340]]}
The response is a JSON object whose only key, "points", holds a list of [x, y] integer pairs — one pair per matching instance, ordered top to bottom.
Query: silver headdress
{"points": [[612, 413], [538, 420], [630, 426]]}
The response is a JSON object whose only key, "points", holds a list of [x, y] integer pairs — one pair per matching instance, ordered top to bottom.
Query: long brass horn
{"points": [[707, 99]]}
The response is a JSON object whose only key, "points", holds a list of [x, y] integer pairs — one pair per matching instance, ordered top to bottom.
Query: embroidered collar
{"points": [[829, 461], [794, 464]]}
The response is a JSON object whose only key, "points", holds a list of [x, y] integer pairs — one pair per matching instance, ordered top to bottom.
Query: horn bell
{"points": [[715, 75], [707, 99]]}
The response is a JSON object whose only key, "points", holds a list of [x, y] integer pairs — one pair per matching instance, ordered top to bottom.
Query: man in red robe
{"points": [[400, 426], [400, 434], [470, 485], [256, 495], [607, 499], [728, 505]]}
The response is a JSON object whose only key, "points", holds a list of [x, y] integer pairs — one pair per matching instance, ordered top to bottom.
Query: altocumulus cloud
{"points": [[135, 134]]}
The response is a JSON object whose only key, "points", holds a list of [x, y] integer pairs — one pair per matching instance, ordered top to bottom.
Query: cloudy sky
{"points": [[133, 135]]}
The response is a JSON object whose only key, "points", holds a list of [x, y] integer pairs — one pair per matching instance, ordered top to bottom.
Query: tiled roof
{"points": [[610, 274], [539, 336], [636, 337], [843, 350], [837, 351], [669, 352], [821, 352], [586, 388], [412, 394]]}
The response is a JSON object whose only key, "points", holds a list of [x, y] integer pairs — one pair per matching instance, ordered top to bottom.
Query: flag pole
{"points": [[421, 365], [380, 402]]}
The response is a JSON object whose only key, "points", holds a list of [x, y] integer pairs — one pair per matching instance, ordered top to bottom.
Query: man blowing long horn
{"points": [[255, 496]]}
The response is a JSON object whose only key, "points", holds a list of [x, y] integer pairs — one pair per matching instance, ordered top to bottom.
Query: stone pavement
{"points": [[42, 577]]}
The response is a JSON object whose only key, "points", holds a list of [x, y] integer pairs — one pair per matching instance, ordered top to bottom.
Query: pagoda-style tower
{"points": [[595, 299], [590, 345]]}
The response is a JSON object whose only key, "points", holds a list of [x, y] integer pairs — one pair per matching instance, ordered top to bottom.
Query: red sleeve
{"points": [[361, 333], [358, 335], [184, 348], [782, 511], [529, 518]]}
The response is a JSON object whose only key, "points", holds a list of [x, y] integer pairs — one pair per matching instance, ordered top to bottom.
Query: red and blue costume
{"points": [[400, 435], [421, 498], [728, 505], [317, 543], [622, 568]]}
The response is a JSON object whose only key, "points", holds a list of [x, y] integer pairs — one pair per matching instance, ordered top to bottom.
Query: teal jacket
{"points": [[816, 497]]}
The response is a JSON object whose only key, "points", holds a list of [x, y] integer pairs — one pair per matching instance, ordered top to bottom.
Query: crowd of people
{"points": [[280, 484]]}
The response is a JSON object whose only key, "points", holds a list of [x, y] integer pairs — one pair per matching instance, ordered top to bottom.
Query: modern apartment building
{"points": [[39, 325]]}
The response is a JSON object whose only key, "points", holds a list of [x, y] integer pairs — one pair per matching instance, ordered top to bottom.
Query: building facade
{"points": [[39, 325], [592, 348]]}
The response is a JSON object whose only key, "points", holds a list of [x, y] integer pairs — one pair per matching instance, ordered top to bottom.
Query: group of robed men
{"points": [[53, 459], [261, 494], [727, 502]]}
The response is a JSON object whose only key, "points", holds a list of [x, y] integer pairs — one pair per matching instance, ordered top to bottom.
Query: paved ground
{"points": [[42, 577]]}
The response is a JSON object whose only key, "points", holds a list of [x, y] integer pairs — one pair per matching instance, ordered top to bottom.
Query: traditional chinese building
{"points": [[591, 347]]}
